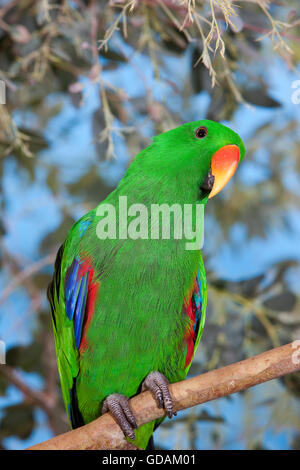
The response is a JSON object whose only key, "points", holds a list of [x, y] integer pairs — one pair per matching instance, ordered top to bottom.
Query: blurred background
{"points": [[84, 85]]}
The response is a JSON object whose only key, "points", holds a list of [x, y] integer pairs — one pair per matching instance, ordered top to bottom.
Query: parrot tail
{"points": [[150, 445]]}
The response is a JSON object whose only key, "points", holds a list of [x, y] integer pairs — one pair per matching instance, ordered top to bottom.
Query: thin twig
{"points": [[25, 274], [41, 399]]}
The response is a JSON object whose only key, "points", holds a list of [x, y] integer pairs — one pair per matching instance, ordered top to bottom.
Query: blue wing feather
{"points": [[76, 290], [198, 304], [80, 308]]}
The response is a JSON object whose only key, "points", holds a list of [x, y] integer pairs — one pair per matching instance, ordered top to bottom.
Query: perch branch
{"points": [[104, 433]]}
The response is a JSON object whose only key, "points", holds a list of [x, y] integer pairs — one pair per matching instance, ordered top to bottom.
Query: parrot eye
{"points": [[201, 132]]}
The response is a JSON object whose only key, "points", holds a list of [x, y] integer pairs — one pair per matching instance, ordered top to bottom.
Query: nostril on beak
{"points": [[208, 182]]}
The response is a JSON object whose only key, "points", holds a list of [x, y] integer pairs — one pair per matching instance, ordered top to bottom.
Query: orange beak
{"points": [[223, 165]]}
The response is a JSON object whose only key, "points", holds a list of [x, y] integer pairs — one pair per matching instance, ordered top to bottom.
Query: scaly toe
{"points": [[158, 384], [118, 405]]}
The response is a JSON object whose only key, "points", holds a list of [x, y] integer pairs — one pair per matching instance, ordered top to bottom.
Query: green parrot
{"points": [[128, 297]]}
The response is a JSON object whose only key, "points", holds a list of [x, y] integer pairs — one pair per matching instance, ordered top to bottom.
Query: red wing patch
{"points": [[193, 309]]}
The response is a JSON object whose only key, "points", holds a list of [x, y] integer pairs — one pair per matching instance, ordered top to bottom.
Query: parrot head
{"points": [[205, 152], [225, 160]]}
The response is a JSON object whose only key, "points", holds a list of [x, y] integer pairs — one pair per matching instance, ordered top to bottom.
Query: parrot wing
{"points": [[72, 295], [195, 309]]}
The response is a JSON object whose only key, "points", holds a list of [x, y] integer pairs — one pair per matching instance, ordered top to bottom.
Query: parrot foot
{"points": [[158, 384], [118, 405]]}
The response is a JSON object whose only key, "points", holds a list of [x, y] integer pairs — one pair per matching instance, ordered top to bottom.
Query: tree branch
{"points": [[22, 276], [41, 399], [104, 433]]}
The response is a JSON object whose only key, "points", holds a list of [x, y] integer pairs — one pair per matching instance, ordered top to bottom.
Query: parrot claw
{"points": [[158, 384], [118, 405]]}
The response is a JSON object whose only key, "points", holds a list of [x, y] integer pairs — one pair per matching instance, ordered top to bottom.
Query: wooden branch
{"points": [[104, 433]]}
